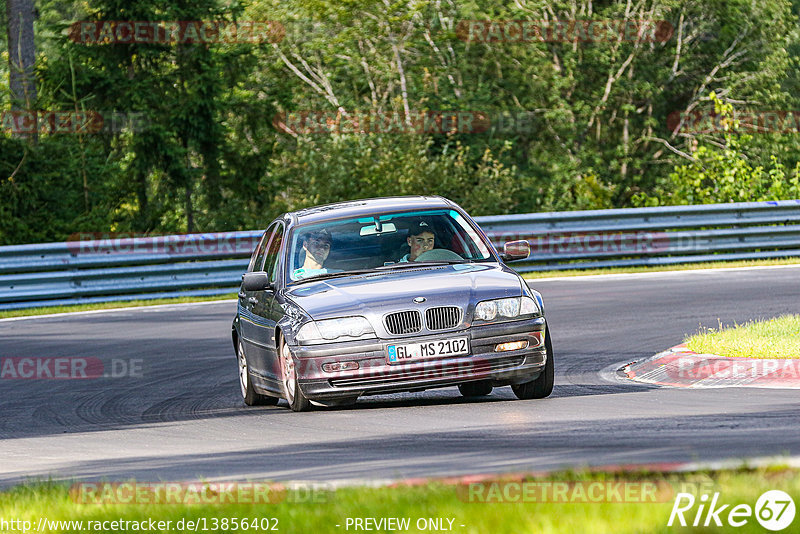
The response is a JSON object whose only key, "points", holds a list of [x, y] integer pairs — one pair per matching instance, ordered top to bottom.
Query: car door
{"points": [[246, 298], [248, 304], [272, 312], [264, 320]]}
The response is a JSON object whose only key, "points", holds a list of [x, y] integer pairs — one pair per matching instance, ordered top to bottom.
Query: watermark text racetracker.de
{"points": [[564, 31], [109, 32], [48, 122], [411, 122], [750, 122], [601, 242], [223, 243], [697, 367], [69, 368], [616, 490], [560, 491], [188, 493]]}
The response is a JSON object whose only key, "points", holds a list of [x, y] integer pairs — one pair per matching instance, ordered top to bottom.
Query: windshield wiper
{"points": [[442, 262], [410, 264], [326, 276]]}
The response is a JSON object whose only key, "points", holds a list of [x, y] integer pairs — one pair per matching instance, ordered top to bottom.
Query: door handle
{"points": [[252, 300]]}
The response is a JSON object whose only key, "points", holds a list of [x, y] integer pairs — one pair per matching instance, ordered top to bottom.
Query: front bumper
{"points": [[376, 376]]}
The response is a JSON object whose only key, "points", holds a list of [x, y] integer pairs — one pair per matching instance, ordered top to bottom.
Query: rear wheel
{"points": [[542, 386], [475, 389], [249, 394], [297, 401]]}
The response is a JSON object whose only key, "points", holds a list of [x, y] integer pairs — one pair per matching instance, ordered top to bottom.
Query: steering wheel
{"points": [[439, 254]]}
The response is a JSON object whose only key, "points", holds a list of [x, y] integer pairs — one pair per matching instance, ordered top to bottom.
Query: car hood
{"points": [[383, 292]]}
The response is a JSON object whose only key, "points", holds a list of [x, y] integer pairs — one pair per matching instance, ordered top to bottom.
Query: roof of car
{"points": [[368, 207]]}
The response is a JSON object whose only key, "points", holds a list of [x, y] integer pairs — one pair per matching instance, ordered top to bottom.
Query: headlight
{"points": [[488, 310], [334, 329]]}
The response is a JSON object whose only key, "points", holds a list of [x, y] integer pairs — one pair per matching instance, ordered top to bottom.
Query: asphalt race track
{"points": [[181, 416]]}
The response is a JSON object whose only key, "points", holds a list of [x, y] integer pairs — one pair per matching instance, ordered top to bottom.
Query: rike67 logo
{"points": [[774, 510]]}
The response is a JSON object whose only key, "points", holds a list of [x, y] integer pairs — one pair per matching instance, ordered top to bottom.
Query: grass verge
{"points": [[663, 268], [109, 305], [775, 338], [517, 506]]}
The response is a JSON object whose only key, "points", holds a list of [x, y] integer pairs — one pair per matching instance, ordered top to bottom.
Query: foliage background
{"points": [[209, 157]]}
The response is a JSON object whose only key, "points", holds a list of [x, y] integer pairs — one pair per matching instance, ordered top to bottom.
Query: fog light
{"points": [[538, 339], [513, 345], [339, 366]]}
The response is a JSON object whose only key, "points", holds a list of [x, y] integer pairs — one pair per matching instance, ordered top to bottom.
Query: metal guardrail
{"points": [[652, 236], [118, 268]]}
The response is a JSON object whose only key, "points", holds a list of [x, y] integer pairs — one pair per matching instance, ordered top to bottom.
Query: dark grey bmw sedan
{"points": [[386, 295]]}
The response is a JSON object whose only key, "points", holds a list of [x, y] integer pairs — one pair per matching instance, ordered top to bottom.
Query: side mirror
{"points": [[516, 250], [257, 281]]}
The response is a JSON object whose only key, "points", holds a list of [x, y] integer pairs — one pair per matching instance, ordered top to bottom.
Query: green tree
{"points": [[597, 130], [725, 173]]}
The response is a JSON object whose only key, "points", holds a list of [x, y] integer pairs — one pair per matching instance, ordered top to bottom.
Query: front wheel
{"points": [[542, 386], [249, 394], [297, 401]]}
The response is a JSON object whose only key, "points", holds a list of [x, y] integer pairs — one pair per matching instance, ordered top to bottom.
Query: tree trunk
{"points": [[21, 53], [21, 59], [189, 209]]}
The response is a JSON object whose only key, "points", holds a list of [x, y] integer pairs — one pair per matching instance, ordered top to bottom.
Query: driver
{"points": [[420, 239], [317, 246]]}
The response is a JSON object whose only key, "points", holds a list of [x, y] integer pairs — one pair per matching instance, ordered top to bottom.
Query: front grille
{"points": [[443, 317], [405, 322]]}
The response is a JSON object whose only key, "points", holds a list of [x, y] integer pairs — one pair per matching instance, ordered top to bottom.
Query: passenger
{"points": [[420, 239], [317, 246]]}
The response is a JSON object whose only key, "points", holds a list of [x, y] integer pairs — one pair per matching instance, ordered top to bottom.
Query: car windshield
{"points": [[388, 241]]}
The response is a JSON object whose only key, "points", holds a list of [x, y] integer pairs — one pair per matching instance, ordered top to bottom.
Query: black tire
{"points": [[542, 386], [475, 389], [291, 391], [249, 394]]}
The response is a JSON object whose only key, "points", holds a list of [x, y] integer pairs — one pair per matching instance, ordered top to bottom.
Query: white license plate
{"points": [[431, 349]]}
